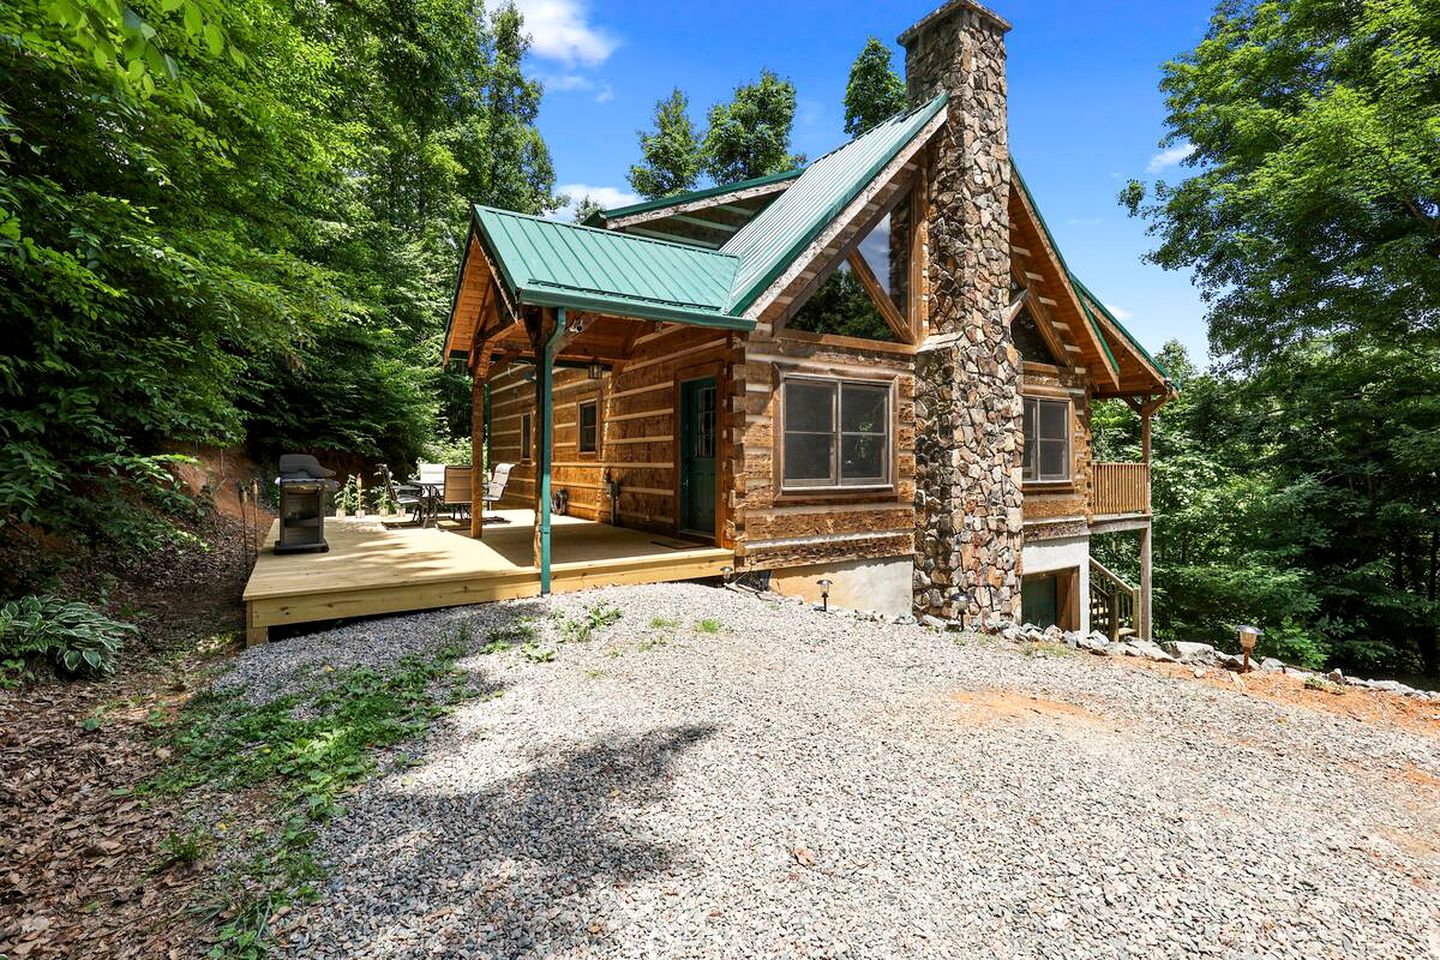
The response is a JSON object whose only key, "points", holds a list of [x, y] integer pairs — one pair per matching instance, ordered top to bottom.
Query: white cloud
{"points": [[560, 30], [575, 83], [1171, 157], [607, 197], [1084, 221], [1119, 313]]}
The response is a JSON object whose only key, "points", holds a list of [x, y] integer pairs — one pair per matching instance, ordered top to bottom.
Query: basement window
{"points": [[589, 426], [837, 434], [1047, 441]]}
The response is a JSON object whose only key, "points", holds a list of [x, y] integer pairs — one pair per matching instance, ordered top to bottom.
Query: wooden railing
{"points": [[1121, 488], [1113, 602]]}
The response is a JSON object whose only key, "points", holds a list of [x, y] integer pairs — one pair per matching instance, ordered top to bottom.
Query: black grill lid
{"points": [[302, 466]]}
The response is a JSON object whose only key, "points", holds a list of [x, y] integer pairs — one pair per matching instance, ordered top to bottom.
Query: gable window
{"points": [[590, 426], [837, 434], [525, 438], [1047, 441]]}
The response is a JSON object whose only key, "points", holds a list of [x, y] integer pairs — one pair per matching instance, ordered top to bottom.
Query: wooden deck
{"points": [[374, 567]]}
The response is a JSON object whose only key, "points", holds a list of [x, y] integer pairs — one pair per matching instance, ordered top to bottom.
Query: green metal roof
{"points": [[689, 196], [770, 242], [553, 264]]}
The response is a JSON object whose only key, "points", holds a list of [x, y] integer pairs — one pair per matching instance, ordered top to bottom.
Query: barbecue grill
{"points": [[305, 491]]}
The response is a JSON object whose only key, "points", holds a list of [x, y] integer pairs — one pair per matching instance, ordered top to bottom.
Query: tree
{"points": [[875, 91], [750, 136], [671, 161], [1315, 203], [586, 208], [1312, 224], [250, 247]]}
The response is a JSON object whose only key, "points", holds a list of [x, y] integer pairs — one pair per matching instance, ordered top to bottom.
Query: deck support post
{"points": [[1143, 626]]}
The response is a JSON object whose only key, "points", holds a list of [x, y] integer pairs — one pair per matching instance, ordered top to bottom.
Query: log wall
{"points": [[638, 429], [1051, 501], [775, 529]]}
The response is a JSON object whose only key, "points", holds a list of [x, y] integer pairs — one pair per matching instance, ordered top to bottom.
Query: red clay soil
{"points": [[1357, 703]]}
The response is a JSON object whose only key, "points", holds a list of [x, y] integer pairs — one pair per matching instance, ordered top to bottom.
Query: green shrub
{"points": [[75, 638]]}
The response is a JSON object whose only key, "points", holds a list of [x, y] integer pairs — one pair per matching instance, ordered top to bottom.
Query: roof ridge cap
{"points": [[625, 237]]}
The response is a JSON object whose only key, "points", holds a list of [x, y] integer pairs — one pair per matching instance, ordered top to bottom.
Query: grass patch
{"points": [[663, 623], [709, 625], [583, 628], [650, 643], [1044, 648], [1323, 684], [298, 755], [185, 849]]}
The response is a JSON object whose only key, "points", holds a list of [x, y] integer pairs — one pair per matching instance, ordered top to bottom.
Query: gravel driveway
{"points": [[799, 784]]}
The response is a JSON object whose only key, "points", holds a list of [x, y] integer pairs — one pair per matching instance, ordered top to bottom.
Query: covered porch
{"points": [[376, 566]]}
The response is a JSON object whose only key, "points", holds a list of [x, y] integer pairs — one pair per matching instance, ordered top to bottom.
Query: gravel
{"points": [[804, 784]]}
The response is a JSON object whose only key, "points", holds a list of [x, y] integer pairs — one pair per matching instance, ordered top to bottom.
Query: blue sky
{"points": [[1085, 111]]}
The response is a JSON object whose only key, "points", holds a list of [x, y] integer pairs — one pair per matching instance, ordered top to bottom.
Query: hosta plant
{"points": [[74, 637]]}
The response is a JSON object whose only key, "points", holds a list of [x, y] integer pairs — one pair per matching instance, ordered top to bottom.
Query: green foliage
{"points": [[875, 92], [750, 136], [670, 154], [1315, 203], [207, 245], [841, 306], [1304, 486], [709, 625], [584, 628], [75, 638], [304, 752], [185, 849]]}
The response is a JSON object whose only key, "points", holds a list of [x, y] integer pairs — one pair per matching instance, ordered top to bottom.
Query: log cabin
{"points": [[674, 367]]}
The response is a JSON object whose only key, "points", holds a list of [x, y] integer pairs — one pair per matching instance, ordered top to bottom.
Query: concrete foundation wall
{"points": [[882, 586]]}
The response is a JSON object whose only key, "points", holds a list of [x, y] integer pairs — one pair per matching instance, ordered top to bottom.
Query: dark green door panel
{"points": [[698, 443], [1039, 601]]}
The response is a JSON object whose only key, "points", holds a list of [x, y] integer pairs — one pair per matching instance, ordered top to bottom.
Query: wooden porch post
{"points": [[479, 390], [544, 410]]}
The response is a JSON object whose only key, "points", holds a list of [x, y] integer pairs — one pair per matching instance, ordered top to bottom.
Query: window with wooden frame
{"points": [[589, 421], [837, 434], [526, 439], [1047, 441]]}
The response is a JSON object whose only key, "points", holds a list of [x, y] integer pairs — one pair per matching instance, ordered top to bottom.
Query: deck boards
{"points": [[375, 568]]}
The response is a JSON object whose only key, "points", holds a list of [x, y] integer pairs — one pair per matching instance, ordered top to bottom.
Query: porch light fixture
{"points": [[597, 370], [824, 593], [1248, 636]]}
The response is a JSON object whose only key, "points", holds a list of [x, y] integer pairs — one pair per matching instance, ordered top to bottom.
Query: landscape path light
{"points": [[824, 594], [1248, 636]]}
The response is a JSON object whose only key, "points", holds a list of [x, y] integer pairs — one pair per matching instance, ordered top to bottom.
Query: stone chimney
{"points": [[967, 393]]}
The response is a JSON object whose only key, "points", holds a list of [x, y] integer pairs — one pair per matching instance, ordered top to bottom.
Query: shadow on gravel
{"points": [[529, 852]]}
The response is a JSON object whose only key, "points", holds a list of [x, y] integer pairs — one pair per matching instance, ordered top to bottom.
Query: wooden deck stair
{"points": [[1113, 602]]}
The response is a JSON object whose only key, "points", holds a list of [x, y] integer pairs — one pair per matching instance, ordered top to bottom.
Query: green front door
{"points": [[697, 456]]}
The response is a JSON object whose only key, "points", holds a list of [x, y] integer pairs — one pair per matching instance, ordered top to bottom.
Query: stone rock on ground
{"points": [[645, 795]]}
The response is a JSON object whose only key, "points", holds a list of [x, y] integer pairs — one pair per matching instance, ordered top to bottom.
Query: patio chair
{"points": [[495, 489], [455, 494], [405, 496]]}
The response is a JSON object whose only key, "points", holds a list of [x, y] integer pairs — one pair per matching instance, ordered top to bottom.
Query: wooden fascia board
{"points": [[892, 171], [664, 213], [801, 292], [1073, 297], [1046, 324], [1124, 342]]}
